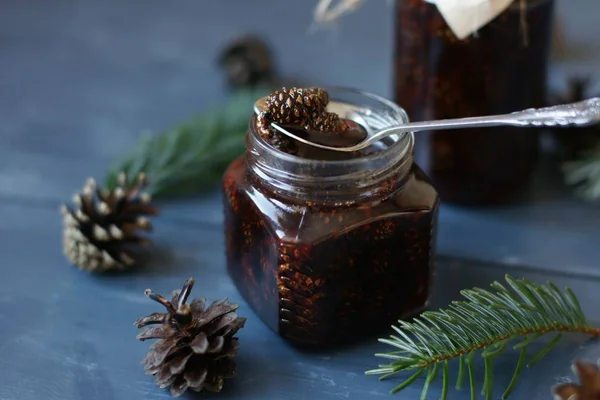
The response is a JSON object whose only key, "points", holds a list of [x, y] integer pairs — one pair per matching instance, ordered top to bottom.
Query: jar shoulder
{"points": [[305, 221]]}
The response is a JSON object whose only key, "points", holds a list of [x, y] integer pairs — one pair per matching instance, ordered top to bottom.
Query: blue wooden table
{"points": [[79, 81]]}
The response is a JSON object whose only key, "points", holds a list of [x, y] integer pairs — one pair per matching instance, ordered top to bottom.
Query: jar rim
{"points": [[403, 143]]}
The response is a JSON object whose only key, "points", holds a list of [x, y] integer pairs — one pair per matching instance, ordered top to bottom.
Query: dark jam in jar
{"points": [[500, 69], [328, 247]]}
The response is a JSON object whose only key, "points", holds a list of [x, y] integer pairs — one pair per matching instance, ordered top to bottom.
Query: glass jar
{"points": [[501, 68], [325, 251]]}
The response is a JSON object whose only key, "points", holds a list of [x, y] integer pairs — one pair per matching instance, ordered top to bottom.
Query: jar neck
{"points": [[367, 179]]}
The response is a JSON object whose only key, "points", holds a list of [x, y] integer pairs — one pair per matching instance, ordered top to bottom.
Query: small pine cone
{"points": [[247, 62], [321, 96], [296, 106], [329, 122], [263, 125], [276, 139], [284, 144], [97, 233], [196, 345], [588, 389]]}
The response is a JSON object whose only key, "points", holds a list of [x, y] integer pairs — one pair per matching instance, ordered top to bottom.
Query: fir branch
{"points": [[193, 155], [584, 174], [486, 323]]}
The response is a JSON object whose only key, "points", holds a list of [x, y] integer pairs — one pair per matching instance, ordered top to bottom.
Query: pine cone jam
{"points": [[501, 69], [328, 247]]}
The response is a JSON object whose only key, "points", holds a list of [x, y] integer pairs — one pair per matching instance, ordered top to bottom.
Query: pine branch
{"points": [[192, 156], [585, 175], [486, 323]]}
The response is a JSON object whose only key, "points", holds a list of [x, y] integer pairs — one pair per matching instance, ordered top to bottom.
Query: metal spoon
{"points": [[582, 113]]}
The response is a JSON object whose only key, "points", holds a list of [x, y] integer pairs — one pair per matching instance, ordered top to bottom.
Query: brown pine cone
{"points": [[321, 95], [296, 106], [303, 107], [329, 122], [263, 125], [276, 139], [285, 144], [99, 235], [196, 347], [588, 389]]}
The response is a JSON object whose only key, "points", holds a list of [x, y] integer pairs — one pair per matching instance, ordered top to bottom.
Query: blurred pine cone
{"points": [[247, 62], [329, 122], [99, 233], [196, 347]]}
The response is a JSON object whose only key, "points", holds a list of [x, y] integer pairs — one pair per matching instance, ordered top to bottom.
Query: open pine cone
{"points": [[99, 233], [196, 347], [589, 388]]}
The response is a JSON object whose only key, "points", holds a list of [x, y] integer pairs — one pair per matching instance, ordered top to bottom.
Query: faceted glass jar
{"points": [[325, 251]]}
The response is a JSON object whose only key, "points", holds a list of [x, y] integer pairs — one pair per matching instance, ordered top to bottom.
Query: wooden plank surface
{"points": [[69, 335]]}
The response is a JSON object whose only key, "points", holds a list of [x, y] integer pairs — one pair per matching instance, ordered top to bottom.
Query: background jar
{"points": [[501, 68], [325, 251]]}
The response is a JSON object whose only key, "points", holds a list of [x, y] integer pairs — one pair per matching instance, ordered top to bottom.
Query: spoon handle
{"points": [[582, 113], [579, 114]]}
